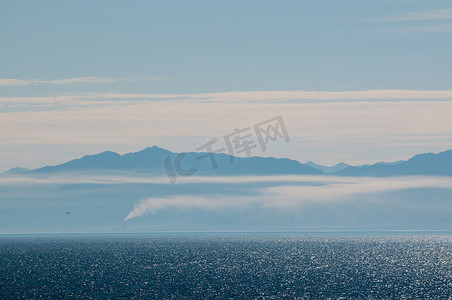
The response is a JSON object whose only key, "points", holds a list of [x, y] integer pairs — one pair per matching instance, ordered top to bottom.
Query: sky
{"points": [[355, 81]]}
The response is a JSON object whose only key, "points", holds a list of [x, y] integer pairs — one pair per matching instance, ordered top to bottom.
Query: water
{"points": [[262, 266]]}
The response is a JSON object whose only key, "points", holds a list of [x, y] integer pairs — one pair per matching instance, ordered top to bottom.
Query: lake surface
{"points": [[227, 265]]}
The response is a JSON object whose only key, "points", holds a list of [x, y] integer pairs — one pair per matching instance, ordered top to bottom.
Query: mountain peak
{"points": [[153, 148], [104, 154], [327, 169], [17, 170]]}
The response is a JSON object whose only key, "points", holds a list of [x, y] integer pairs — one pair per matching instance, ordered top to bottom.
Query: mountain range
{"points": [[152, 161], [156, 161], [422, 164], [61, 199]]}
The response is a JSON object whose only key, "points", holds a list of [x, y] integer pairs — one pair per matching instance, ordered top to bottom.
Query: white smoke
{"points": [[205, 202]]}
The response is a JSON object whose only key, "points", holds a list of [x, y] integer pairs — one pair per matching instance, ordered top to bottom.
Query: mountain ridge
{"points": [[151, 161], [420, 164], [327, 169]]}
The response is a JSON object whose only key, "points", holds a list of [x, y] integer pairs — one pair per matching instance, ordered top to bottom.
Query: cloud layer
{"points": [[224, 97], [317, 121], [289, 195]]}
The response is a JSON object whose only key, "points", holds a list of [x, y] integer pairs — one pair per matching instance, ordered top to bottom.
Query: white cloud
{"points": [[426, 15], [442, 28], [76, 80], [278, 96], [237, 97], [124, 122], [122, 177], [292, 192], [291, 196]]}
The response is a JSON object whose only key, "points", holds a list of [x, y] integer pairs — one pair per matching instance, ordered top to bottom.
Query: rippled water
{"points": [[227, 266]]}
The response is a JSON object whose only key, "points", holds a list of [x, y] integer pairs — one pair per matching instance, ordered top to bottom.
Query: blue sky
{"points": [[212, 46], [54, 53]]}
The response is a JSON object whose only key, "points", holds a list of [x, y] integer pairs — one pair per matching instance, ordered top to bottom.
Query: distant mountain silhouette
{"points": [[147, 159], [151, 161], [421, 164], [326, 169], [17, 171]]}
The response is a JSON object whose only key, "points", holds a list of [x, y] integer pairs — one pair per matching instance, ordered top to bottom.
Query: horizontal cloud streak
{"points": [[426, 15], [442, 28], [75, 80], [228, 97], [76, 178], [291, 196]]}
